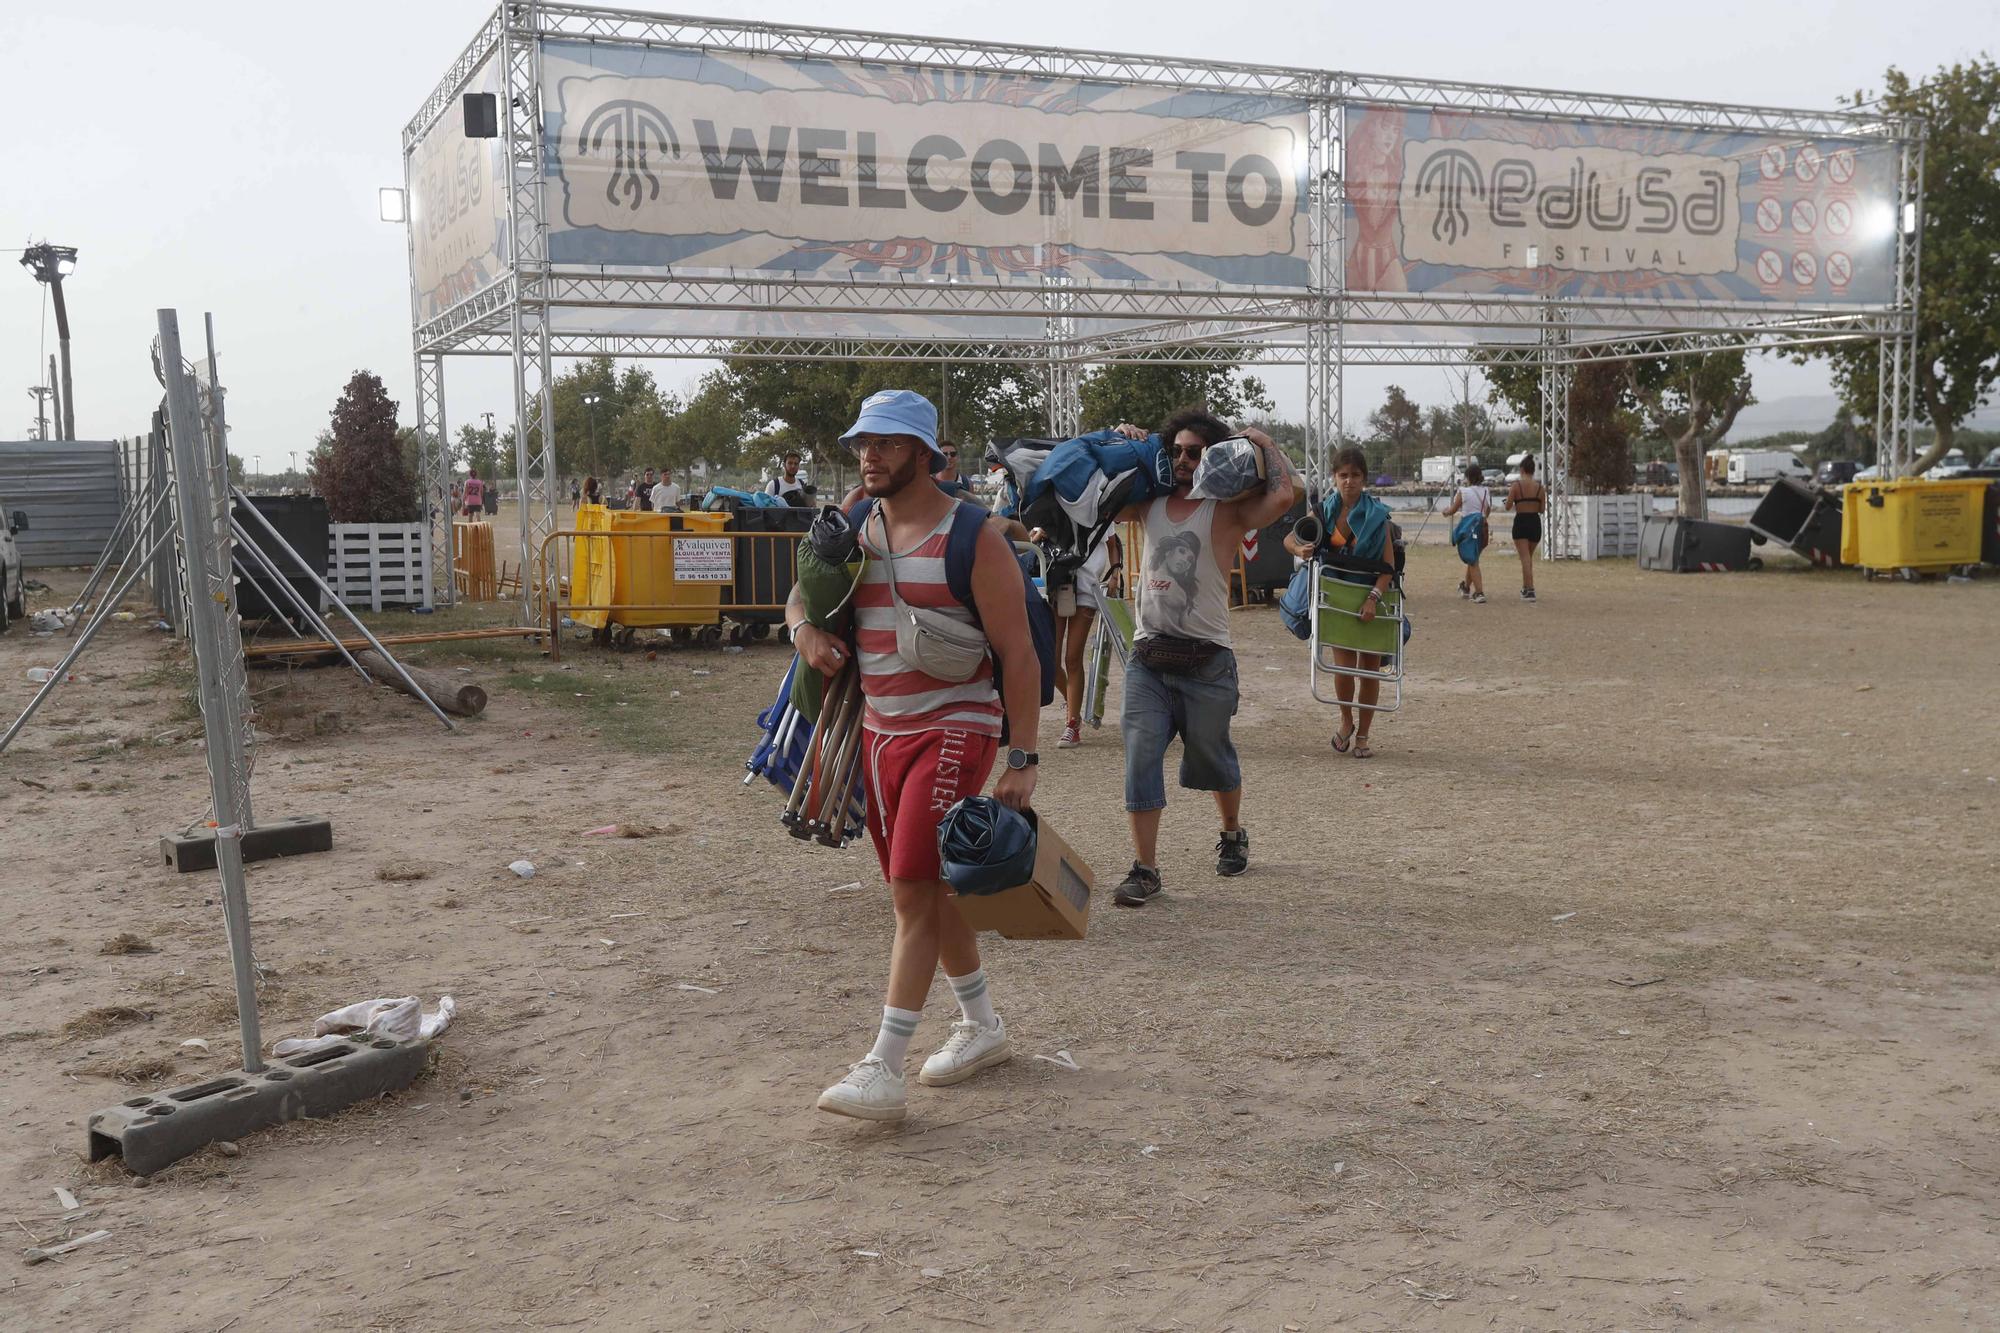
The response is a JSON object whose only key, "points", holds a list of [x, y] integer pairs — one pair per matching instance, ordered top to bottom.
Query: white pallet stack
{"points": [[1606, 527], [380, 564]]}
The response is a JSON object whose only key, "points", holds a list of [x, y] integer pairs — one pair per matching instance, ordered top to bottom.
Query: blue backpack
{"points": [[960, 544]]}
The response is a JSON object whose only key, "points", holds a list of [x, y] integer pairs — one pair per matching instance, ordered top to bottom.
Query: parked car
{"points": [[1953, 464], [1836, 472], [1657, 473], [1873, 473], [13, 583]]}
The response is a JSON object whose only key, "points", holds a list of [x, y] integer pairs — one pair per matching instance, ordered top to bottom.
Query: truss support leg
{"points": [[434, 479], [1563, 539]]}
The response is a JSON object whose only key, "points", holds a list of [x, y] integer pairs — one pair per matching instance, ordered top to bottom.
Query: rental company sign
{"points": [[659, 156], [1453, 202]]}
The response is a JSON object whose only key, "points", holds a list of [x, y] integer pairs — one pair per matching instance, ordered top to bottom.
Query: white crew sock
{"points": [[973, 1000], [892, 1043]]}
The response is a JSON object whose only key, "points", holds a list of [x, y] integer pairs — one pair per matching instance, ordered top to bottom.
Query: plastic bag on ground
{"points": [[397, 1020]]}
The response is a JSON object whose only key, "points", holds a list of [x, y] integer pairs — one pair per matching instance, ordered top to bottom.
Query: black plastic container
{"points": [[1802, 518], [302, 521], [1693, 546], [1271, 566], [765, 570]]}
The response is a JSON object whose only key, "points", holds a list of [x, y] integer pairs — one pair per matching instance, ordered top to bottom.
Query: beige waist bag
{"points": [[931, 641]]}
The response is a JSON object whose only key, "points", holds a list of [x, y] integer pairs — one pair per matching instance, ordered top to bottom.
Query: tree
{"points": [[1957, 355], [1146, 394], [815, 400], [1692, 401], [709, 427], [1600, 428], [1396, 432], [479, 450], [358, 465]]}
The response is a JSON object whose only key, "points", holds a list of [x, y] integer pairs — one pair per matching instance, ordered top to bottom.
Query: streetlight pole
{"points": [[51, 264], [40, 393], [590, 402]]}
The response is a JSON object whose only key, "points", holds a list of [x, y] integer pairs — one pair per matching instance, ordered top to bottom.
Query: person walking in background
{"points": [[949, 481], [788, 487], [643, 490], [574, 491], [474, 494], [666, 496], [1529, 499], [1470, 534], [1357, 545], [1073, 637], [1181, 677], [927, 740]]}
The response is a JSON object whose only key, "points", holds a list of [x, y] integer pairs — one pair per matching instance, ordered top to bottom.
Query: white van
{"points": [[1750, 467], [13, 584]]}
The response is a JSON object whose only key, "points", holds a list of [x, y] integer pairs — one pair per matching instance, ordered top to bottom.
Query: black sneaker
{"points": [[1527, 594], [1232, 853], [1137, 887]]}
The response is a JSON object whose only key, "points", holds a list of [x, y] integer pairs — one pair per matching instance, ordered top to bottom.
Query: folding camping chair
{"points": [[1337, 623], [1110, 637]]}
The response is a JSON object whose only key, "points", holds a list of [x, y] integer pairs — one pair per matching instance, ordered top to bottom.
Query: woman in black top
{"points": [[1527, 497]]}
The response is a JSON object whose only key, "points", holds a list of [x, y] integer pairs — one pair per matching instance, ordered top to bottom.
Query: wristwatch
{"points": [[1018, 758]]}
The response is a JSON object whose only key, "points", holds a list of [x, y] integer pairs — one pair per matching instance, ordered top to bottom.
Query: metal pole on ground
{"points": [[334, 597], [218, 653]]}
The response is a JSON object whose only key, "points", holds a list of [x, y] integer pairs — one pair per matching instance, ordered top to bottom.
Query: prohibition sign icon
{"points": [[1771, 162], [1840, 166], [1806, 167], [1770, 215], [1805, 216], [1839, 217], [1770, 268], [1805, 268], [1839, 269]]}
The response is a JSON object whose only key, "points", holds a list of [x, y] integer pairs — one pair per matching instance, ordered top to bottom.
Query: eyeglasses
{"points": [[883, 445], [1189, 450]]}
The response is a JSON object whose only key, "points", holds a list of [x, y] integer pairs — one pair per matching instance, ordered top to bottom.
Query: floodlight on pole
{"points": [[392, 203], [51, 264], [590, 402]]}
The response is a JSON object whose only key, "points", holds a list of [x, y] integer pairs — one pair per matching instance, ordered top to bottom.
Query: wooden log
{"points": [[460, 697]]}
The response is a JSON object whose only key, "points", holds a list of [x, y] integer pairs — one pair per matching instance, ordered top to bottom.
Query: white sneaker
{"points": [[970, 1048], [869, 1092]]}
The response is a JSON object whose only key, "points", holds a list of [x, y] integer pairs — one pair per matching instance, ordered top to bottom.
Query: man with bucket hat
{"points": [[935, 699]]}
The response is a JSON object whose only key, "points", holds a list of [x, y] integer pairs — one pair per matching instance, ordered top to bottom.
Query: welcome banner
{"points": [[659, 157], [1455, 202]]}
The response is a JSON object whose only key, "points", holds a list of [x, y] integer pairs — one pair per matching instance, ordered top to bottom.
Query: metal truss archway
{"points": [[534, 310]]}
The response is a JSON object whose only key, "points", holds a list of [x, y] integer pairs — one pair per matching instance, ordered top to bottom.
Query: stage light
{"points": [[392, 204], [1910, 218]]}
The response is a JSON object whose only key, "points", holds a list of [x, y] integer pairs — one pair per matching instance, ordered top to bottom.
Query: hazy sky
{"points": [[225, 157]]}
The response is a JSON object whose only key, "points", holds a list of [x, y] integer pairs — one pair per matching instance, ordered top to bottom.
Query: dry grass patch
{"points": [[103, 1019]]}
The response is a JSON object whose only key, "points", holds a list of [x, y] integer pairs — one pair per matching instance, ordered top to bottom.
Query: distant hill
{"points": [[1812, 411]]}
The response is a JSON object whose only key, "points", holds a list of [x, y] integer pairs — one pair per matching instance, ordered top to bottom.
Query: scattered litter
{"points": [[125, 615], [48, 622], [732, 648], [701, 671], [42, 675], [1863, 689], [675, 694], [624, 831], [525, 869], [855, 887], [619, 916], [1564, 917], [744, 922], [609, 944], [1633, 983], [705, 990], [398, 1020], [1624, 1032], [199, 1043], [1062, 1059], [1150, 1150], [1339, 1169], [66, 1199], [41, 1254], [869, 1254], [927, 1272]]}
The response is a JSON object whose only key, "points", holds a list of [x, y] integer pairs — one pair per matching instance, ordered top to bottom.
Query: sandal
{"points": [[1342, 741], [1361, 750]]}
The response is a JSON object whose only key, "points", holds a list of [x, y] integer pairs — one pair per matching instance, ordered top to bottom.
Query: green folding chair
{"points": [[1337, 623], [1110, 637]]}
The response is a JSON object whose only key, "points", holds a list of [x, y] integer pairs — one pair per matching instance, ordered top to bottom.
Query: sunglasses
{"points": [[1189, 450]]}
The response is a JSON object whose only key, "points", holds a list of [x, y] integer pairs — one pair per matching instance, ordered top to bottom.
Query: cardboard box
{"points": [[1054, 905]]}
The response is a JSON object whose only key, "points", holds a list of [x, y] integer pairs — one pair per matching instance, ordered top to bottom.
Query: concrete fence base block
{"points": [[285, 837], [155, 1131]]}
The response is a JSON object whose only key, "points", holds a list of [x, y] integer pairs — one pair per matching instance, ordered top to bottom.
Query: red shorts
{"points": [[912, 781]]}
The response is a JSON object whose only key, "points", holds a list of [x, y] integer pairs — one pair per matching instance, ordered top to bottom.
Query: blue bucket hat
{"points": [[899, 412]]}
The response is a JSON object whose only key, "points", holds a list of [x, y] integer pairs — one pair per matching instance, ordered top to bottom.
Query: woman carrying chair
{"points": [[1356, 547]]}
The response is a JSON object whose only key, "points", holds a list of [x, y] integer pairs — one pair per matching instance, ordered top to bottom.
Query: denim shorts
{"points": [[1197, 708]]}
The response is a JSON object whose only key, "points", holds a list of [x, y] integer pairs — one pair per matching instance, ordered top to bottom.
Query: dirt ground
{"points": [[1645, 980]]}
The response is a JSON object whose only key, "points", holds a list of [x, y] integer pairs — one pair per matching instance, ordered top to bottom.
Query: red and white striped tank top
{"points": [[901, 699]]}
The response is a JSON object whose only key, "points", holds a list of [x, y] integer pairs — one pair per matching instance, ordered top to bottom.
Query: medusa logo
{"points": [[628, 133], [1451, 174]]}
